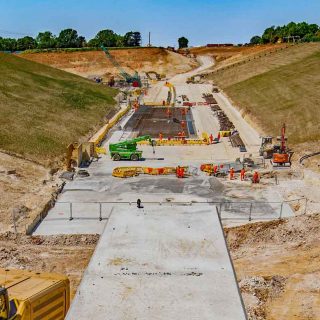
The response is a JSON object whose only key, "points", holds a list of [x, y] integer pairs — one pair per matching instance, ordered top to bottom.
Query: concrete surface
{"points": [[159, 264]]}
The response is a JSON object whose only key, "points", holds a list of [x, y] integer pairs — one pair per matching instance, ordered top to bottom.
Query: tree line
{"points": [[301, 31], [69, 38]]}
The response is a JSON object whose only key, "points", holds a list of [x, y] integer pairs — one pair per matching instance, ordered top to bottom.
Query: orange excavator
{"points": [[281, 154]]}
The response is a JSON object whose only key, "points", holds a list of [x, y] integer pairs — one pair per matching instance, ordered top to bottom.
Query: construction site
{"points": [[160, 184]]}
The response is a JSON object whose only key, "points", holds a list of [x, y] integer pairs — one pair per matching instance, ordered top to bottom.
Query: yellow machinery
{"points": [[128, 172], [27, 295]]}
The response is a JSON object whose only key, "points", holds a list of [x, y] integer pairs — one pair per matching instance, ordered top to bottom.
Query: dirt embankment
{"points": [[228, 55], [95, 63], [26, 187], [68, 255], [277, 265]]}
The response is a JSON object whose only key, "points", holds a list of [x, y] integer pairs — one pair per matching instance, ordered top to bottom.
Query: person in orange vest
{"points": [[179, 134], [160, 136], [218, 137], [211, 138], [215, 170], [180, 172], [231, 173], [242, 174], [255, 178]]}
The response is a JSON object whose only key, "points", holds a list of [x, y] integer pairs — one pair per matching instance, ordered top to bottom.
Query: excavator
{"points": [[127, 150], [26, 295]]}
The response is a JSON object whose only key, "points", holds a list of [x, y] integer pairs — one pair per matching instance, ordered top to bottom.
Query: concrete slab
{"points": [[159, 264]]}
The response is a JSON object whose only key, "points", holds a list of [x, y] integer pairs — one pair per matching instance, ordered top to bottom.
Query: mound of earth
{"points": [[95, 63], [277, 266]]}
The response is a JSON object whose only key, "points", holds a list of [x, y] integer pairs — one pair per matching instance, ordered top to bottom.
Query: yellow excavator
{"points": [[26, 295]]}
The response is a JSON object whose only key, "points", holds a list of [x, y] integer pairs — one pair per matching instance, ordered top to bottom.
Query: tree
{"points": [[306, 32], [268, 35], [69, 38], [105, 38], [137, 38], [128, 39], [46, 40], [119, 40], [256, 40], [82, 42], [183, 42], [26, 43], [93, 43], [8, 44]]}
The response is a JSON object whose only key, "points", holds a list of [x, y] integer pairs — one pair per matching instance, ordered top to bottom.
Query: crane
{"points": [[134, 80], [127, 150]]}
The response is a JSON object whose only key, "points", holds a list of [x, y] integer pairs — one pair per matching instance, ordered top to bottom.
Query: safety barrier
{"points": [[226, 133], [100, 135], [176, 142], [127, 172], [233, 211]]}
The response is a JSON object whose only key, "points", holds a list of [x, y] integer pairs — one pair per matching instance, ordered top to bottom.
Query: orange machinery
{"points": [[282, 155]]}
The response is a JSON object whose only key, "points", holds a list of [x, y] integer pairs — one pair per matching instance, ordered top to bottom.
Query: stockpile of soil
{"points": [[277, 266]]}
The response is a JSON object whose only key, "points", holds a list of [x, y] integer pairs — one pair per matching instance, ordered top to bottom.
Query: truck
{"points": [[127, 150], [27, 295]]}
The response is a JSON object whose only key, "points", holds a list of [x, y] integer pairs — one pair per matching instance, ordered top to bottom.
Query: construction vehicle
{"points": [[152, 75], [134, 80], [266, 148], [127, 150], [281, 154], [27, 295]]}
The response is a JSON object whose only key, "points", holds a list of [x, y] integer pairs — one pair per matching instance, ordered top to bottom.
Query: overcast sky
{"points": [[201, 21]]}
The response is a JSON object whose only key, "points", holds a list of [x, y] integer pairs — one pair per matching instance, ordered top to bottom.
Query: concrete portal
{"points": [[159, 264]]}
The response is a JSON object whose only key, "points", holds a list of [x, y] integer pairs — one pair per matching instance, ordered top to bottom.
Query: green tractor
{"points": [[127, 150]]}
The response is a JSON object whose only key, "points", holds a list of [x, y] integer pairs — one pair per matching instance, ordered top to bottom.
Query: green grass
{"points": [[289, 93], [43, 109]]}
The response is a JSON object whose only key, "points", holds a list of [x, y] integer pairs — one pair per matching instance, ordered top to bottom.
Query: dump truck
{"points": [[127, 150], [26, 295]]}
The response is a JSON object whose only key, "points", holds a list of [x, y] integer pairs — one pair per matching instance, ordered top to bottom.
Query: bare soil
{"points": [[95, 63], [26, 187], [68, 255], [277, 265]]}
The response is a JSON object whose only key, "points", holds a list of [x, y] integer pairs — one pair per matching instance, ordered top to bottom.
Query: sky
{"points": [[201, 21]]}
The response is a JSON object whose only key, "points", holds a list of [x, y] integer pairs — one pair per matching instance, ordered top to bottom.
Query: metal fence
{"points": [[228, 210]]}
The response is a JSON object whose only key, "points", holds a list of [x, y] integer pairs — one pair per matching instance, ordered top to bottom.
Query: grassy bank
{"points": [[280, 88], [43, 109]]}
